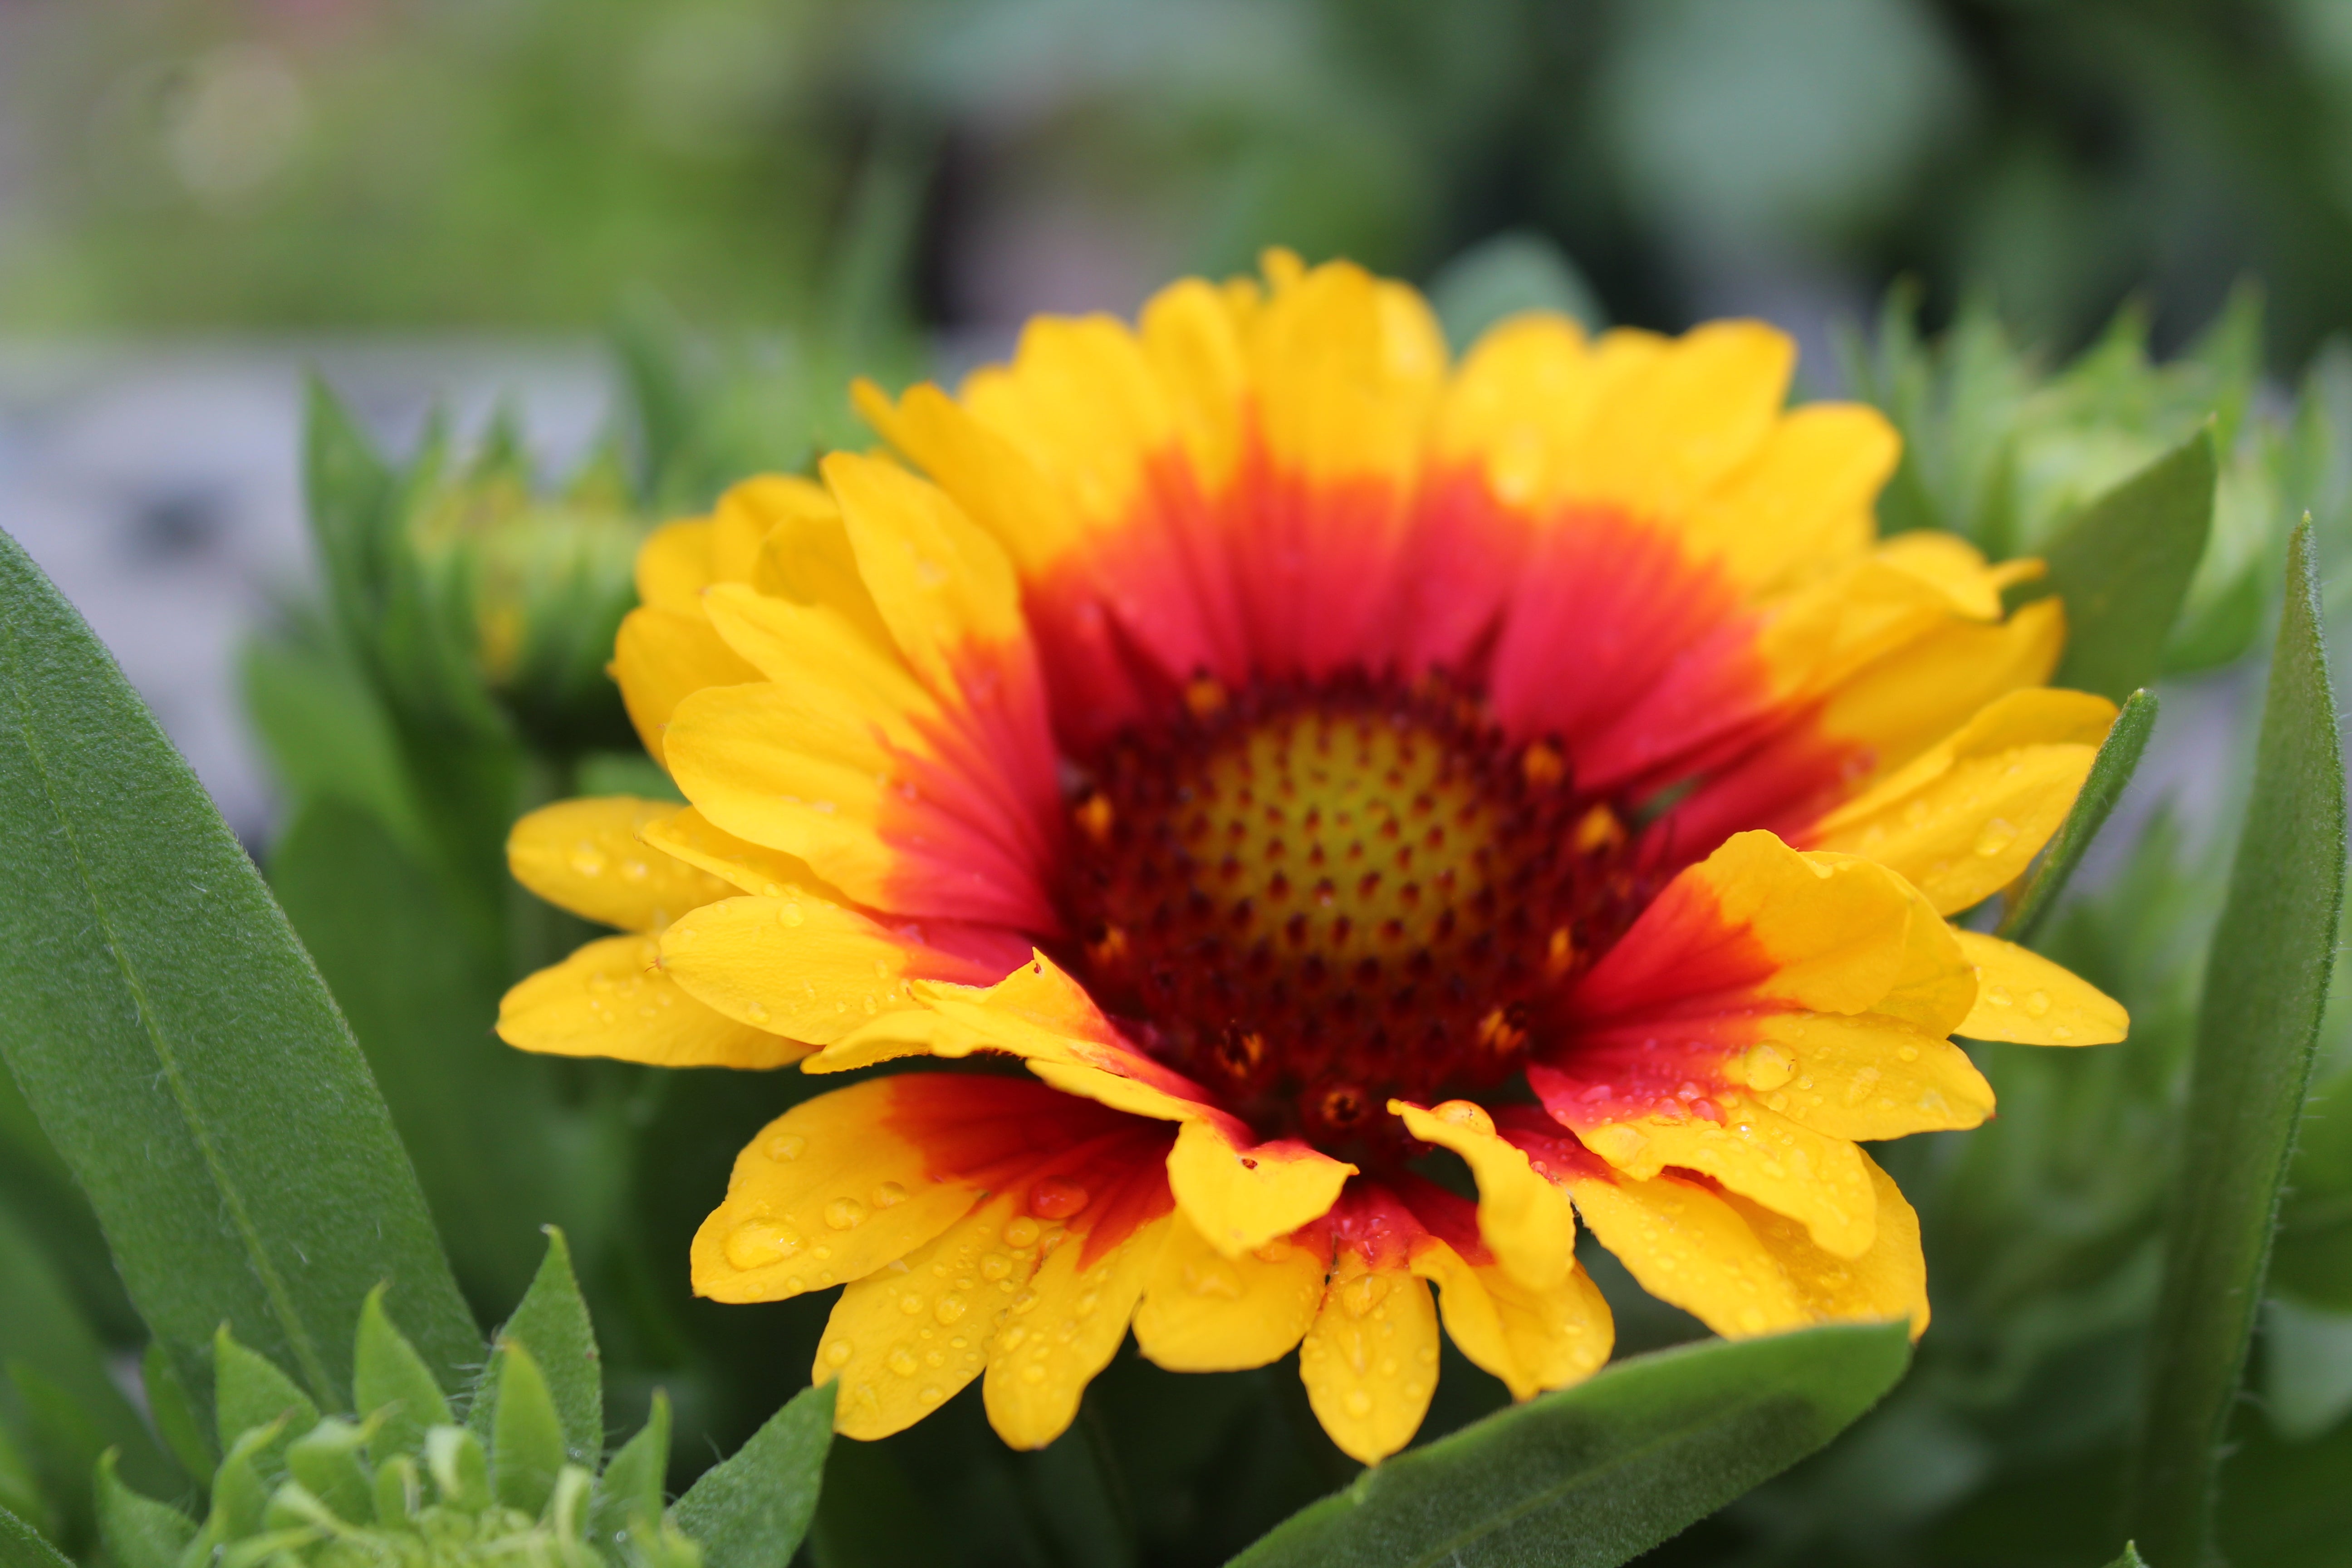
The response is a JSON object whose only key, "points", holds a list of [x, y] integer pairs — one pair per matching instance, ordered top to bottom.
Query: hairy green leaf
{"points": [[2123, 565], [2111, 769], [2265, 986], [174, 1040], [553, 1322], [390, 1383], [250, 1391], [173, 1412], [525, 1434], [1596, 1475], [631, 1488], [751, 1511], [138, 1531], [21, 1546], [2131, 1559]]}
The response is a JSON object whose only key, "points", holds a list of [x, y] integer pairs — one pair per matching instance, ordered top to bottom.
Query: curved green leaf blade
{"points": [[2123, 566], [2111, 769], [2265, 985], [175, 1042], [552, 1324], [390, 1383], [526, 1436], [1595, 1475], [750, 1510], [138, 1531], [21, 1546], [2131, 1559]]}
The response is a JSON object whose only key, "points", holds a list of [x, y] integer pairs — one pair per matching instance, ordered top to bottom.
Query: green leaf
{"points": [[1499, 278], [2123, 565], [325, 731], [2111, 769], [2265, 986], [174, 1041], [2313, 1260], [553, 1322], [42, 1328], [390, 1383], [250, 1391], [174, 1412], [525, 1434], [326, 1461], [1597, 1474], [631, 1487], [20, 1489], [752, 1510], [138, 1531], [21, 1546], [2131, 1559]]}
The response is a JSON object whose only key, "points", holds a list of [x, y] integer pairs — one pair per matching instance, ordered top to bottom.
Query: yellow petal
{"points": [[1347, 371], [1668, 433], [996, 486], [1802, 501], [749, 511], [673, 565], [663, 656], [1965, 817], [689, 836], [585, 855], [802, 967], [2023, 997], [612, 998], [1864, 1077], [1788, 1167], [826, 1193], [1243, 1197], [1523, 1219], [1686, 1245], [1887, 1282], [1203, 1312], [1061, 1330], [903, 1339], [1532, 1340], [1369, 1362]]}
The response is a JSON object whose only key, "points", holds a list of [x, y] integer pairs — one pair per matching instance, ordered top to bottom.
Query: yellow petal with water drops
{"points": [[1669, 433], [1802, 501], [673, 565], [941, 583], [661, 657], [1964, 818], [689, 836], [586, 856], [1834, 927], [801, 965], [611, 998], [2024, 998], [1868, 1076], [1788, 1167], [826, 1193], [1241, 1197], [1523, 1219], [1686, 1245], [1887, 1282], [1203, 1312], [1061, 1330], [1532, 1340], [902, 1341], [1370, 1361]]}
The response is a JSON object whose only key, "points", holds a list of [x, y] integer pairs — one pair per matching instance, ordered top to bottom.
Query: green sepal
{"points": [[2122, 567], [2111, 769], [552, 1321], [391, 1384], [250, 1391], [175, 1414], [526, 1433], [326, 1461], [461, 1470], [631, 1488], [399, 1491], [240, 1495], [294, 1506], [752, 1510], [138, 1531], [22, 1546], [253, 1550], [2131, 1559]]}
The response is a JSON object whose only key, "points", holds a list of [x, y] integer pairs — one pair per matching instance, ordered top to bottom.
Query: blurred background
{"points": [[458, 199]]}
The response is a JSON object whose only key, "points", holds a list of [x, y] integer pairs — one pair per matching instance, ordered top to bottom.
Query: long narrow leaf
{"points": [[2123, 567], [2111, 769], [2265, 985], [174, 1041], [1595, 1475], [21, 1546]]}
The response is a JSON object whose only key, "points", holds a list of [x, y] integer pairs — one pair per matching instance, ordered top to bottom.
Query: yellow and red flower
{"points": [[1304, 756]]}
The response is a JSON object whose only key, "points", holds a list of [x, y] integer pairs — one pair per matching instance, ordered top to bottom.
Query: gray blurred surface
{"points": [[159, 488]]}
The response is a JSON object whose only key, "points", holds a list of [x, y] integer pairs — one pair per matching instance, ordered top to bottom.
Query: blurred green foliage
{"points": [[522, 163]]}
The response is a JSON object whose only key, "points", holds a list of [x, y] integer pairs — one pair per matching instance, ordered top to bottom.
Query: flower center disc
{"points": [[1314, 899]]}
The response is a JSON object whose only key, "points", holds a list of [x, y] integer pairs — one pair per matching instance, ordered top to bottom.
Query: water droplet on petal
{"points": [[1997, 835], [790, 914], [2037, 1002], [1768, 1067], [785, 1146], [889, 1195], [1054, 1197], [844, 1214], [1022, 1232], [757, 1243], [950, 1308], [837, 1354], [903, 1362], [1360, 1404]]}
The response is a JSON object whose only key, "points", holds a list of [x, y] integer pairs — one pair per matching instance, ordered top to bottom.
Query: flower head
{"points": [[1303, 757]]}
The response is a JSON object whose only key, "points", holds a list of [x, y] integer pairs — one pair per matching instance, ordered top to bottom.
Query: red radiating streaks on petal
{"points": [[1462, 551], [1784, 785], [1680, 958], [1008, 1135], [1446, 1216]]}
